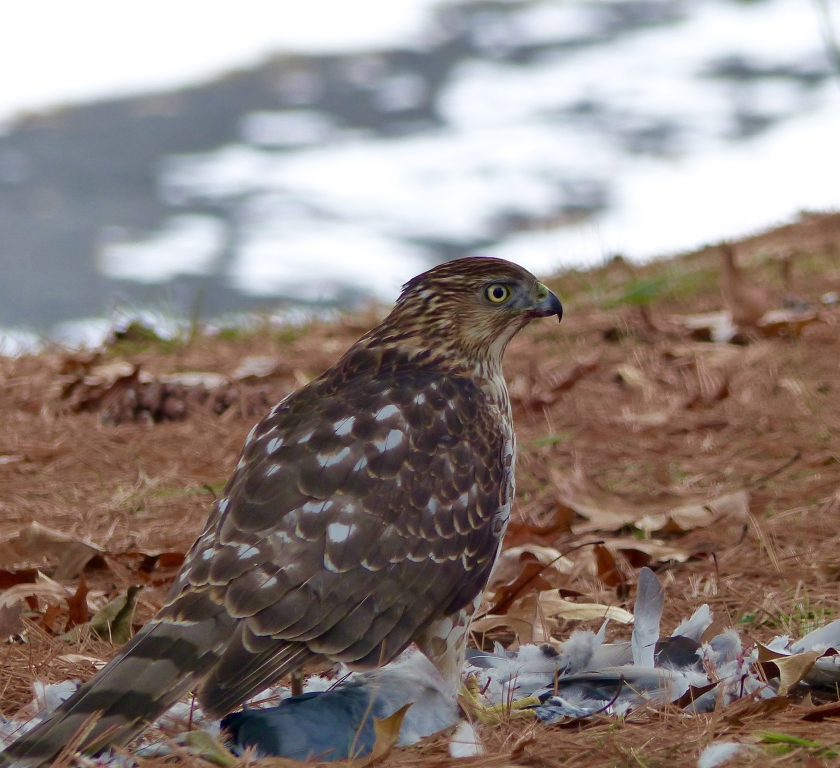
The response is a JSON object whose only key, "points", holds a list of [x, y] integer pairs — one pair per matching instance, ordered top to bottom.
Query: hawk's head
{"points": [[467, 310]]}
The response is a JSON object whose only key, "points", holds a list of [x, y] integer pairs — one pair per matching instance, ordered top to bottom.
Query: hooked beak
{"points": [[548, 304]]}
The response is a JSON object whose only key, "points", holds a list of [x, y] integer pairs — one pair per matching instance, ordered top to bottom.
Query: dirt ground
{"points": [[619, 402]]}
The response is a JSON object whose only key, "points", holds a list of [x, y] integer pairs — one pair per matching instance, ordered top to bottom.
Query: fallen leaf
{"points": [[733, 506], [607, 511], [522, 530], [36, 541], [509, 563], [606, 566], [528, 580], [44, 588], [551, 605], [78, 612], [51, 613], [112, 622], [523, 627], [791, 669], [747, 708], [818, 714], [387, 732]]}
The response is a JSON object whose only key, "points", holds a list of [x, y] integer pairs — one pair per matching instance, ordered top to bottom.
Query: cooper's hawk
{"points": [[365, 514]]}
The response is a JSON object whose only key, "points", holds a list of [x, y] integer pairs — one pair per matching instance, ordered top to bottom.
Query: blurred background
{"points": [[213, 158]]}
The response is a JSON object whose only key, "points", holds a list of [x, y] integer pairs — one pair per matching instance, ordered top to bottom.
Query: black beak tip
{"points": [[552, 306], [558, 307]]}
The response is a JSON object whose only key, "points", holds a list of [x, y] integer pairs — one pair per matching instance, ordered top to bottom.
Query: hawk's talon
{"points": [[469, 699]]}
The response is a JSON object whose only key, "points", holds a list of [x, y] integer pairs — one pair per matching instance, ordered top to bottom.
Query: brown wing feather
{"points": [[362, 509]]}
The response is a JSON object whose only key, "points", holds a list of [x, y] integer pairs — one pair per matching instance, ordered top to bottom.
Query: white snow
{"points": [[54, 52], [186, 245]]}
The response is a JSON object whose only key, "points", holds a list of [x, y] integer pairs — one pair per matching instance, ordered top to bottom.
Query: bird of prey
{"points": [[364, 515]]}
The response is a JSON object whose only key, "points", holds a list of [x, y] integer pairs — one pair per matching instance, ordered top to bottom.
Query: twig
{"points": [[789, 463]]}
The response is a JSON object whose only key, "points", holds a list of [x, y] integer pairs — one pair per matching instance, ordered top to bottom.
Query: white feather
{"points": [[646, 617]]}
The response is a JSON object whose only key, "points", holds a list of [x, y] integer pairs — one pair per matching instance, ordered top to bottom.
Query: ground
{"points": [[618, 396]]}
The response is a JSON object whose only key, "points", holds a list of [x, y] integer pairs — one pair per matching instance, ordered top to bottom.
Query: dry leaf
{"points": [[733, 506], [607, 511], [523, 530], [35, 543], [509, 563], [606, 566], [530, 579], [44, 588], [551, 605], [78, 612], [51, 613], [112, 622], [524, 628], [791, 669], [818, 714], [387, 732]]}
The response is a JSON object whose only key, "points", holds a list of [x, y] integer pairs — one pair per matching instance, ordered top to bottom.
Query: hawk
{"points": [[365, 514]]}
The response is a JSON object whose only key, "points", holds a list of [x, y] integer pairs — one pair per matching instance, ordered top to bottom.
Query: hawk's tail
{"points": [[152, 672]]}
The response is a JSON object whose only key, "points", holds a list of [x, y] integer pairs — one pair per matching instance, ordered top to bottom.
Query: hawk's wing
{"points": [[360, 512]]}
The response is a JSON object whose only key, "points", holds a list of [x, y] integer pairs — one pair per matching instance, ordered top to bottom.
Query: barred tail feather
{"points": [[152, 672]]}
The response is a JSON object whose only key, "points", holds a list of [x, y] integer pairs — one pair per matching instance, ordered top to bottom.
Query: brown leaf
{"points": [[607, 511], [524, 531], [36, 543], [510, 561], [608, 571], [22, 576], [529, 580], [44, 588], [77, 605], [552, 606], [51, 613], [523, 627], [791, 669], [818, 714], [387, 732]]}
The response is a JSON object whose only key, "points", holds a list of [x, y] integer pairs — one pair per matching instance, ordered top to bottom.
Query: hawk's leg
{"points": [[444, 643]]}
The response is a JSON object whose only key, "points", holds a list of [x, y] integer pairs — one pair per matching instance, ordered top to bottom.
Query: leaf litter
{"points": [[661, 449]]}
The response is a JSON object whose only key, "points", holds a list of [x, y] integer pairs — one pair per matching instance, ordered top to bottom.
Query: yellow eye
{"points": [[497, 293]]}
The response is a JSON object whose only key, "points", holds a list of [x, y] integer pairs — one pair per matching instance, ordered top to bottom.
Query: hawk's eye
{"points": [[497, 293]]}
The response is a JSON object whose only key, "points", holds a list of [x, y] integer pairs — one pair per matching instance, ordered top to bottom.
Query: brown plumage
{"points": [[365, 514]]}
